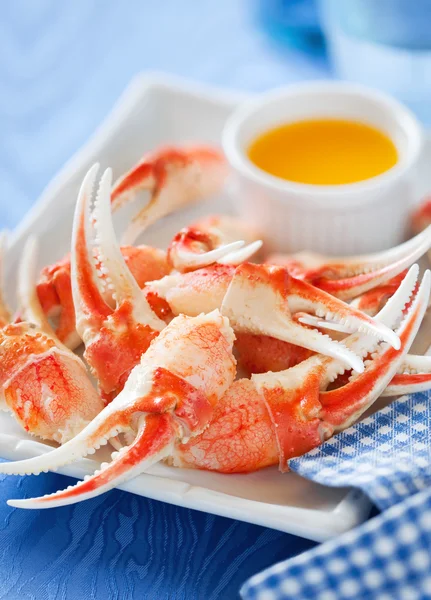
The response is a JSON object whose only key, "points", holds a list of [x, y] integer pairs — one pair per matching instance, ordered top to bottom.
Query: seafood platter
{"points": [[156, 339]]}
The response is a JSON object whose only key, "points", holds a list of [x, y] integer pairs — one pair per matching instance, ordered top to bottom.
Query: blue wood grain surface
{"points": [[62, 66]]}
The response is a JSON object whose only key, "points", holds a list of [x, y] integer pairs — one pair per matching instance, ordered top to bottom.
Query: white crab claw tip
{"points": [[94, 169], [235, 258], [192, 259], [316, 322], [396, 343], [358, 365], [19, 504]]}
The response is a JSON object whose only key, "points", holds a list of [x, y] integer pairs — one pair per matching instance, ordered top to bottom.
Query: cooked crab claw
{"points": [[174, 177], [213, 240], [241, 255], [188, 260], [347, 278], [54, 287], [262, 300], [372, 301], [113, 317], [413, 376], [42, 383], [169, 396], [341, 407], [287, 413], [304, 415]]}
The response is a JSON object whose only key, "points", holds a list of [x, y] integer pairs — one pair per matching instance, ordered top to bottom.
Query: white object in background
{"points": [[158, 110], [355, 218]]}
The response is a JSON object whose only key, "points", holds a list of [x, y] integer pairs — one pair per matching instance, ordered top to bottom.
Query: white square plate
{"points": [[154, 110]]}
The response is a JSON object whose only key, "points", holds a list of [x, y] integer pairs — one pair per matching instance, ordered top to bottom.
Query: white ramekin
{"points": [[338, 219]]}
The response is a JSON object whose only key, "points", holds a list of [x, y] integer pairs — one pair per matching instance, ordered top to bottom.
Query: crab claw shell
{"points": [[175, 177], [211, 240], [233, 253], [241, 255], [191, 260], [347, 278], [262, 299], [113, 317], [413, 376], [408, 383], [341, 407], [303, 414], [154, 441]]}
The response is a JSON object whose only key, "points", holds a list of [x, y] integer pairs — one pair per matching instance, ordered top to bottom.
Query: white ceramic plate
{"points": [[154, 110]]}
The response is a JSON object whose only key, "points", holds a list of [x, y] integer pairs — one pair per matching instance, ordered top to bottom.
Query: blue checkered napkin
{"points": [[388, 455], [387, 558]]}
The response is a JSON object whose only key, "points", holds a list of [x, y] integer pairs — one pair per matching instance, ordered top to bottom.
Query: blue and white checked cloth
{"points": [[388, 456], [388, 558]]}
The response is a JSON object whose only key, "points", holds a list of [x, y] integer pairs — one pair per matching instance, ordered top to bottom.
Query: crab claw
{"points": [[175, 177], [212, 240], [189, 260], [347, 278], [54, 287], [262, 300], [372, 301], [115, 336], [413, 376], [42, 383], [169, 396], [342, 406], [304, 415], [154, 441]]}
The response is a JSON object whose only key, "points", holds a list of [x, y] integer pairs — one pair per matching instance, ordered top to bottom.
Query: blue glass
{"points": [[292, 22], [402, 24], [384, 44]]}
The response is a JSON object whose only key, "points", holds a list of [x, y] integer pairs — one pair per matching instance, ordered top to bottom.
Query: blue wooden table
{"points": [[62, 66]]}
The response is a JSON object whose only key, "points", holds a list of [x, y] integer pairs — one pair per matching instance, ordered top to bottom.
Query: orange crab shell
{"points": [[54, 288], [46, 388]]}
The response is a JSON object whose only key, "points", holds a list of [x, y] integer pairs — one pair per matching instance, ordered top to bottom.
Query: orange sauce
{"points": [[324, 152]]}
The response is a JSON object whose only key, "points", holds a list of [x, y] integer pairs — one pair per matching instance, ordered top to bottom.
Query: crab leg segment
{"points": [[175, 177], [350, 277], [114, 336], [169, 396]]}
